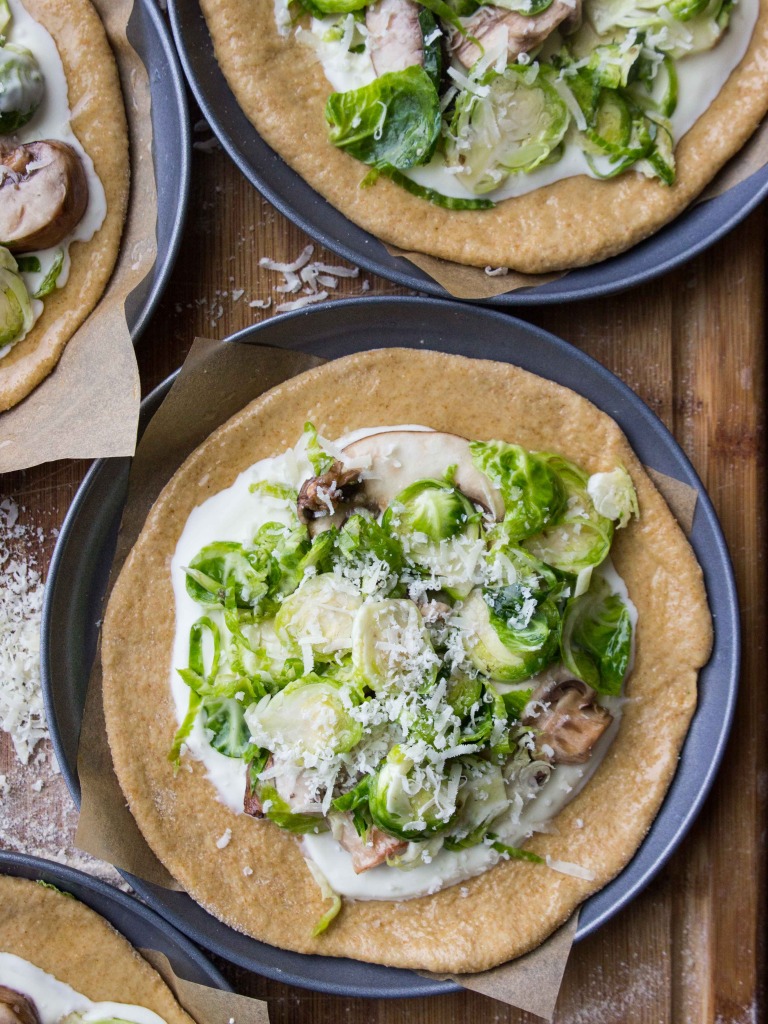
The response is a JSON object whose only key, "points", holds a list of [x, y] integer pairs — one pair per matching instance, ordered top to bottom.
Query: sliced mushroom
{"points": [[496, 27], [394, 35], [43, 195], [320, 496], [568, 721], [372, 852], [16, 1008]]}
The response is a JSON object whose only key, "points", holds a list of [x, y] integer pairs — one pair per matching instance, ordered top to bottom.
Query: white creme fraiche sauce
{"points": [[701, 76], [52, 121], [235, 514], [54, 999]]}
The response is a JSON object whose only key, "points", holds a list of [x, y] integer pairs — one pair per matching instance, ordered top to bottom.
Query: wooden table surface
{"points": [[691, 947]]}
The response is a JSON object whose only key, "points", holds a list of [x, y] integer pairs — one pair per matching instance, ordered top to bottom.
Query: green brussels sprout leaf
{"points": [[393, 122], [596, 642]]}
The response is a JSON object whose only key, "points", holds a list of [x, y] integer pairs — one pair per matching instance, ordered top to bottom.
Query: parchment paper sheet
{"points": [[473, 283], [217, 380], [89, 405], [207, 1005]]}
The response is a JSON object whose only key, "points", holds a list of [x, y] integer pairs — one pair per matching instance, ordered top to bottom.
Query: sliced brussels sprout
{"points": [[5, 16], [692, 28], [433, 51], [610, 64], [21, 87], [392, 122], [511, 127], [16, 316], [320, 460], [533, 493], [613, 495], [581, 538], [361, 539], [509, 565], [225, 567], [319, 615], [596, 641], [391, 648], [502, 652], [225, 719], [308, 719], [482, 799], [411, 805], [278, 811], [327, 893]]}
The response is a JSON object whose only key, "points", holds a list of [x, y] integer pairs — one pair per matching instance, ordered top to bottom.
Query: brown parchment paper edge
{"points": [[464, 282], [217, 379], [88, 406], [204, 1004]]}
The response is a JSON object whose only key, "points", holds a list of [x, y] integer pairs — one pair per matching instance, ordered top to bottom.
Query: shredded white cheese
{"points": [[21, 599]]}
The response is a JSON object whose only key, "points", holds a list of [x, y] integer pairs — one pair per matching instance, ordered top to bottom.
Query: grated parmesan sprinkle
{"points": [[21, 599]]}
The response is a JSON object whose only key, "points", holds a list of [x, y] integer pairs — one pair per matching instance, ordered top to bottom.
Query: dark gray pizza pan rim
{"points": [[171, 154], [688, 235], [332, 330], [140, 925]]}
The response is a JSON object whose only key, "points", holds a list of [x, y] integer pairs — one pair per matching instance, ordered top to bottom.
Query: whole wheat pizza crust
{"points": [[280, 85], [99, 123], [516, 905], [62, 936]]}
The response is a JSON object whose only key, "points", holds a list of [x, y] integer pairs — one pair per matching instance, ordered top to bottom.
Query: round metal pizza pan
{"points": [[171, 154], [692, 232], [81, 563], [142, 927]]}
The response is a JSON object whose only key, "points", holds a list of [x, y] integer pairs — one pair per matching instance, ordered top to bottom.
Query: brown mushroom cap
{"points": [[43, 195], [571, 721], [16, 1008]]}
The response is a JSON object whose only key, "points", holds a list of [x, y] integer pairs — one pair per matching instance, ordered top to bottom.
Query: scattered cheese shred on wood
{"points": [[305, 277], [21, 599]]}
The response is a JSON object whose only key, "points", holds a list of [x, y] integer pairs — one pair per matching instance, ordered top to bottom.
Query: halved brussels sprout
{"points": [[21, 87], [511, 123], [16, 316], [533, 493], [613, 495], [427, 512], [438, 527], [581, 538], [320, 615], [596, 642], [391, 648], [506, 653], [308, 719], [482, 798], [410, 807]]}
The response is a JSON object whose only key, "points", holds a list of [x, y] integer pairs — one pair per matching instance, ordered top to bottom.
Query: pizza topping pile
{"points": [[405, 658]]}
